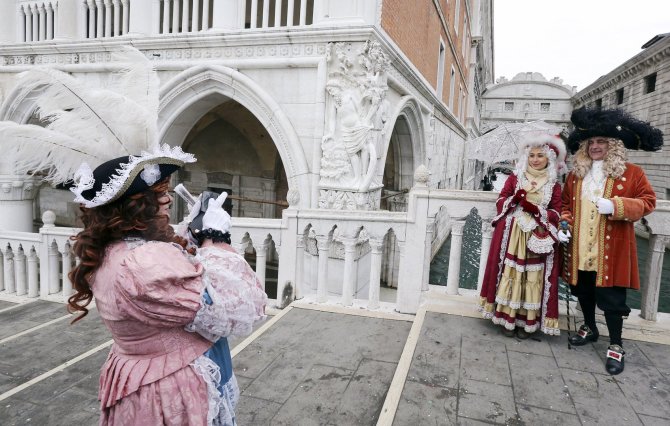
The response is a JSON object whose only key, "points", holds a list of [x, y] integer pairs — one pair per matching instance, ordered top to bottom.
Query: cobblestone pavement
{"points": [[313, 367]]}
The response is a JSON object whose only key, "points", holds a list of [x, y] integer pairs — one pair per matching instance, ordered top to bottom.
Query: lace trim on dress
{"points": [[523, 268], [238, 299], [221, 406]]}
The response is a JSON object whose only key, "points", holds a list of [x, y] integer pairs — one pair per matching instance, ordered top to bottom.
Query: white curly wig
{"points": [[614, 164]]}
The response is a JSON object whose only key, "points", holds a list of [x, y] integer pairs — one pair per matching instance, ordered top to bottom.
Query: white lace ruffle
{"points": [[523, 268], [238, 299], [221, 406]]}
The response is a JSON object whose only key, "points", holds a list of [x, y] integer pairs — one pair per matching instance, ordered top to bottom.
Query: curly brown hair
{"points": [[136, 215]]}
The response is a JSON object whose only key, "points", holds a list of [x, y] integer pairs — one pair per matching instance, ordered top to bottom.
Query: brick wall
{"points": [[415, 26]]}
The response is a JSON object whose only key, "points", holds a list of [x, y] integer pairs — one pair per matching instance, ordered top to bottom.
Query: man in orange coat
{"points": [[602, 198]]}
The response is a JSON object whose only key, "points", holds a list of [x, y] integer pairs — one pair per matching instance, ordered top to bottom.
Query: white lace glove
{"points": [[605, 206], [216, 217], [564, 236]]}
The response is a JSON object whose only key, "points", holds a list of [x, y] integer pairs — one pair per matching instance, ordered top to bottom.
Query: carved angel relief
{"points": [[356, 112]]}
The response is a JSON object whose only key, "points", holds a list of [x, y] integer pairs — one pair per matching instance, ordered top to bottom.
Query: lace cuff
{"points": [[232, 300]]}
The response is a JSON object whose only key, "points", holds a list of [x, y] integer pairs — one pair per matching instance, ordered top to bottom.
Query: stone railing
{"points": [[329, 256]]}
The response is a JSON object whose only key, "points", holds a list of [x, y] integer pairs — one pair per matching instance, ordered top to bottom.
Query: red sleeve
{"points": [[566, 199], [554, 205]]}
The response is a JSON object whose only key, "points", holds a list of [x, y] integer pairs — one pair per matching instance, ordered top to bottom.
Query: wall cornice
{"points": [[629, 70]]}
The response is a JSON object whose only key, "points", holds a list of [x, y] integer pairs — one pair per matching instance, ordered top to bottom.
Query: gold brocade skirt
{"points": [[519, 294]]}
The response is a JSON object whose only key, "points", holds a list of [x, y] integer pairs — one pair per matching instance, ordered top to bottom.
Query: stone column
{"points": [[176, 4], [83, 13], [186, 13], [278, 13], [99, 14], [205, 14], [228, 14], [253, 15], [166, 16], [195, 16], [42, 17], [117, 17], [126, 17], [51, 18], [91, 18], [108, 18], [36, 22], [140, 22], [29, 24], [20, 25], [16, 202], [487, 232], [323, 244], [8, 256], [455, 256], [261, 262], [67, 264], [300, 266], [654, 268], [20, 269], [375, 272], [33, 273], [348, 274]]}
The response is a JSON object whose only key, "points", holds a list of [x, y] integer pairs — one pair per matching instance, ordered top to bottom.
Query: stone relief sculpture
{"points": [[356, 112]]}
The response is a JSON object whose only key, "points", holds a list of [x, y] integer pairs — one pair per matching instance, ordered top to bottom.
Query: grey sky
{"points": [[576, 40]]}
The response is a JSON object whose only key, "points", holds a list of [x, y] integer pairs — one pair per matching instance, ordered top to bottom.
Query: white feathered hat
{"points": [[90, 126], [556, 150]]}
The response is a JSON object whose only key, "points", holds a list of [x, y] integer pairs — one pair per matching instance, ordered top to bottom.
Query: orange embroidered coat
{"points": [[633, 198]]}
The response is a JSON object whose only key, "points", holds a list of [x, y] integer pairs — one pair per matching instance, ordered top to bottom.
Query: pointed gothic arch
{"points": [[192, 93], [404, 144]]}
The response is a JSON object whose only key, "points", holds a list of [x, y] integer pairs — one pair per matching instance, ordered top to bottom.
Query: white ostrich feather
{"points": [[137, 79], [103, 117], [84, 123], [36, 149]]}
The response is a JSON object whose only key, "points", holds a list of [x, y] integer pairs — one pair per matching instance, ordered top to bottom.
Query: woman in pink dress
{"points": [[169, 310]]}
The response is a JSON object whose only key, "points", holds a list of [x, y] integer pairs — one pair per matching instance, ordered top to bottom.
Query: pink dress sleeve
{"points": [[160, 287], [237, 296]]}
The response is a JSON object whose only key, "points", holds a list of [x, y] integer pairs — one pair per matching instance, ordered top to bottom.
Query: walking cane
{"points": [[564, 227]]}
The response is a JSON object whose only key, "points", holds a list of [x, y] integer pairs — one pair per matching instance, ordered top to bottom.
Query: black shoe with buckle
{"points": [[508, 333], [522, 333], [583, 336], [614, 363]]}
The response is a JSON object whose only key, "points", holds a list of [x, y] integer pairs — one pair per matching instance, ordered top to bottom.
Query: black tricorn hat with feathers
{"points": [[613, 123]]}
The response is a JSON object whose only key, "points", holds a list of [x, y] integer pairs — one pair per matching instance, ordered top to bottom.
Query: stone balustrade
{"points": [[329, 256]]}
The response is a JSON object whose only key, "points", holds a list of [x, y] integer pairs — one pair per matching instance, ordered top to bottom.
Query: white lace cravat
{"points": [[594, 181]]}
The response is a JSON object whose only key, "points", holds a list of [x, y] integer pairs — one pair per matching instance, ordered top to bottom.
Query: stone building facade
{"points": [[641, 86], [272, 95], [529, 96]]}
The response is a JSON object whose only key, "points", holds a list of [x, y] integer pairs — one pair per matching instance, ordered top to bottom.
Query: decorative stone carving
{"points": [[176, 53], [357, 110], [421, 176], [13, 188], [293, 197], [349, 200]]}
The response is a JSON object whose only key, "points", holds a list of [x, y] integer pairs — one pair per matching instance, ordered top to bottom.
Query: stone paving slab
{"points": [[5, 304], [28, 316], [32, 354], [319, 368], [502, 380]]}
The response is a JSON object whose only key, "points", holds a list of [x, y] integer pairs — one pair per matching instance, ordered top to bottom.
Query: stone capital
{"points": [[18, 188]]}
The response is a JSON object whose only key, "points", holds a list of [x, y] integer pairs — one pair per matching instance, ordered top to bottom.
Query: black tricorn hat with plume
{"points": [[613, 123]]}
